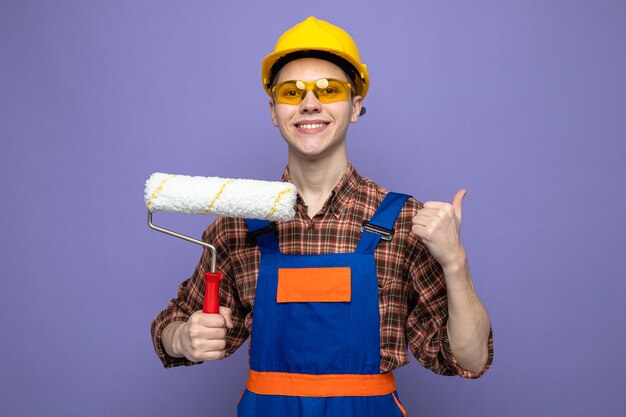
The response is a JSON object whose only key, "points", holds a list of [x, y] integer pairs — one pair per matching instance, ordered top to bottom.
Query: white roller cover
{"points": [[249, 199]]}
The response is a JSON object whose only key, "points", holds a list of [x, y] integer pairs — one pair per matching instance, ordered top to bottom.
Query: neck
{"points": [[315, 179]]}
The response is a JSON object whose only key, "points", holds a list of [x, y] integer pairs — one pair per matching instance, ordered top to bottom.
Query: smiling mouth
{"points": [[311, 127]]}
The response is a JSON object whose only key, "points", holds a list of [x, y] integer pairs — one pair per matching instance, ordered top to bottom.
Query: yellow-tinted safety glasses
{"points": [[327, 90]]}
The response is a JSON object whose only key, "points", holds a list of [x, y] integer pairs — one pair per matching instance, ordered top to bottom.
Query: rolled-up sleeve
{"points": [[190, 298], [426, 324]]}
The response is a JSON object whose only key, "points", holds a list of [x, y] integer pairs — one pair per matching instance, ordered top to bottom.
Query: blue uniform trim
{"points": [[384, 217], [267, 242]]}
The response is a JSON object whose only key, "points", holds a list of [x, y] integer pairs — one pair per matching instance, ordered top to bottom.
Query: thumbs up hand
{"points": [[438, 224]]}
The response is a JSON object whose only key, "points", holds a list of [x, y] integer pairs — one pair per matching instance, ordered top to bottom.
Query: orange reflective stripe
{"points": [[313, 285], [306, 385], [399, 405]]}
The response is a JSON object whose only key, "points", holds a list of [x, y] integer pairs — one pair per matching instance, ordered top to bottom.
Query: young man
{"points": [[330, 301]]}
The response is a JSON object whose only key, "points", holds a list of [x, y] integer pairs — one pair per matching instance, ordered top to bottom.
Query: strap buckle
{"points": [[385, 234], [251, 237]]}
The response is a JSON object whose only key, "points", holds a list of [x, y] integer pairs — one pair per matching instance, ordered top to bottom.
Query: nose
{"points": [[310, 103]]}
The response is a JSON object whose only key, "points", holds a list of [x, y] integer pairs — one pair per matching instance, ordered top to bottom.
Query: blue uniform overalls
{"points": [[315, 343]]}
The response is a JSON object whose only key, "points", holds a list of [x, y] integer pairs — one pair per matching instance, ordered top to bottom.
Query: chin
{"points": [[309, 153]]}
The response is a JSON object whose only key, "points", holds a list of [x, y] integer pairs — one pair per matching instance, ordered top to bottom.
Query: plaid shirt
{"points": [[412, 293]]}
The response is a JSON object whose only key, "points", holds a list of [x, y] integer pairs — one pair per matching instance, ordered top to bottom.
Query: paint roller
{"points": [[242, 198]]}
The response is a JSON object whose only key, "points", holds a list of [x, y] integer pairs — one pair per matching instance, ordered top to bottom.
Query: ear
{"points": [[357, 103], [273, 113]]}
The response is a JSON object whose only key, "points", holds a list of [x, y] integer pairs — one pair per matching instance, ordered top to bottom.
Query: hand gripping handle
{"points": [[212, 294]]}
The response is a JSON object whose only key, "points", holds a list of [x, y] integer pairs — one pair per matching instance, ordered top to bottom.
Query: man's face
{"points": [[313, 129]]}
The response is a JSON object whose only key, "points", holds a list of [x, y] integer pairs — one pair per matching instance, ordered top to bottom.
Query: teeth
{"points": [[312, 126]]}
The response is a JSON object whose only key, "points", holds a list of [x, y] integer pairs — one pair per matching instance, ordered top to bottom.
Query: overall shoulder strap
{"points": [[381, 224], [263, 232]]}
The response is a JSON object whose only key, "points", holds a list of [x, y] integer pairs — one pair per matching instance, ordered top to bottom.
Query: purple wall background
{"points": [[522, 102]]}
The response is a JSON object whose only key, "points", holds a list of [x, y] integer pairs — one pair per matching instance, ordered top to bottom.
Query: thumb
{"points": [[457, 202], [227, 313]]}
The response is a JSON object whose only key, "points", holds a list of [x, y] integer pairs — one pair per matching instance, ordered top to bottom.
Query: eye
{"points": [[333, 88], [291, 93]]}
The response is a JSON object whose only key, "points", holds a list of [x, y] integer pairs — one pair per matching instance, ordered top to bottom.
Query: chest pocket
{"points": [[322, 285], [314, 309]]}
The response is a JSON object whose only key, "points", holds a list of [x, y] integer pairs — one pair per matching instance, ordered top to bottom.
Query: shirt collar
{"points": [[341, 193]]}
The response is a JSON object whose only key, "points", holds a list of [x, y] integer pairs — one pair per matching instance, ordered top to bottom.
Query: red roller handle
{"points": [[212, 294]]}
